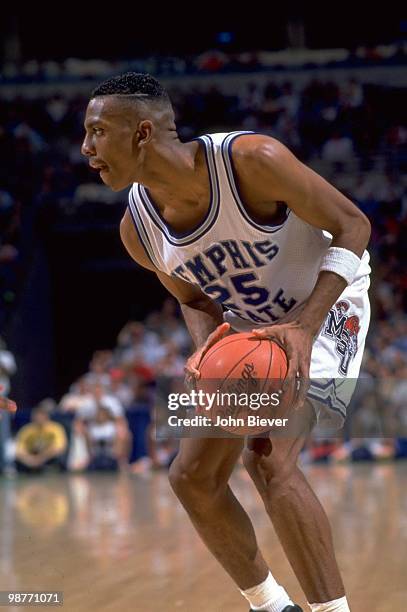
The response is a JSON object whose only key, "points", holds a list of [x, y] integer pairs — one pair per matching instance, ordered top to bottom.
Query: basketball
{"points": [[245, 374]]}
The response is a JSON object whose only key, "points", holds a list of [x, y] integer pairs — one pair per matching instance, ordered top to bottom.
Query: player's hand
{"points": [[296, 340], [191, 368]]}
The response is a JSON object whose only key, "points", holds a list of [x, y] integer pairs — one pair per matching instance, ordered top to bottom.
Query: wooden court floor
{"points": [[123, 543]]}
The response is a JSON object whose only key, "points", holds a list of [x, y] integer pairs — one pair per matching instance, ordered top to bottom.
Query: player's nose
{"points": [[87, 148]]}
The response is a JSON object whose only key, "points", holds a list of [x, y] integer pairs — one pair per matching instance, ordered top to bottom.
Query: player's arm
{"points": [[266, 168], [277, 174], [203, 316]]}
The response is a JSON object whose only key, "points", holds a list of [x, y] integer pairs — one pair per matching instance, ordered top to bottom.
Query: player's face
{"points": [[109, 142]]}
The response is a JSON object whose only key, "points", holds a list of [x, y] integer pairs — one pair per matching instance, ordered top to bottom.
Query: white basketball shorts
{"points": [[336, 354]]}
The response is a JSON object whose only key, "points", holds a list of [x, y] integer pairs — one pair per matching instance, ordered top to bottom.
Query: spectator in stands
{"points": [[352, 94], [338, 149], [167, 324], [138, 345], [172, 364], [8, 368], [99, 368], [122, 386], [79, 400], [106, 401], [87, 413], [104, 443], [40, 444]]}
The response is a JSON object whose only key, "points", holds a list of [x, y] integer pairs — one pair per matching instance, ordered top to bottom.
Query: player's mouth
{"points": [[99, 167]]}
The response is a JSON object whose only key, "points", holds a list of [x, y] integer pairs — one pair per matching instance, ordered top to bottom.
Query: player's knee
{"points": [[269, 467], [271, 474], [175, 476], [191, 481]]}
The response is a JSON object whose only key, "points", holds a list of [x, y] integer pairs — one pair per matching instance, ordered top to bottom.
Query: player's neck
{"points": [[175, 171]]}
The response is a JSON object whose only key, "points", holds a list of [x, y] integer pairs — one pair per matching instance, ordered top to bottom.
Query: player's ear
{"points": [[144, 132]]}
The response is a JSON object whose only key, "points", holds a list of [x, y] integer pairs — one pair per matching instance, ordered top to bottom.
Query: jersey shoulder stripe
{"points": [[231, 176]]}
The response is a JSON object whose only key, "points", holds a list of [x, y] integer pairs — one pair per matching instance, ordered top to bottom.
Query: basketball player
{"points": [[244, 236]]}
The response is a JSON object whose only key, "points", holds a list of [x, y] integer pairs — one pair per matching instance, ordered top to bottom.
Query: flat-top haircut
{"points": [[139, 85]]}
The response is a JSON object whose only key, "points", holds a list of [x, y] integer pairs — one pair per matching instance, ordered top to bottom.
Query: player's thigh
{"points": [[206, 458]]}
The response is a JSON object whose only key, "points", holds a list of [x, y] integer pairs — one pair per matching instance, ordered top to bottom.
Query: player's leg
{"points": [[199, 477], [297, 515]]}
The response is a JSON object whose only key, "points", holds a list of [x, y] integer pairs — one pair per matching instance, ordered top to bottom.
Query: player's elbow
{"points": [[364, 229], [355, 232], [200, 302], [204, 304]]}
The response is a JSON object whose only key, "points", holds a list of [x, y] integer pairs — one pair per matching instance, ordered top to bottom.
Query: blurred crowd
{"points": [[211, 61], [350, 132], [96, 425], [90, 428]]}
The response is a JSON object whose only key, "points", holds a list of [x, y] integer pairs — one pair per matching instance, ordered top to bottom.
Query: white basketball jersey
{"points": [[259, 273]]}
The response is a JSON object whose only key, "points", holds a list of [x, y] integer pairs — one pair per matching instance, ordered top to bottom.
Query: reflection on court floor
{"points": [[123, 542]]}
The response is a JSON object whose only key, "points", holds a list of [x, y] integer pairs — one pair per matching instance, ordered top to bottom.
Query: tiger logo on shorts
{"points": [[343, 329]]}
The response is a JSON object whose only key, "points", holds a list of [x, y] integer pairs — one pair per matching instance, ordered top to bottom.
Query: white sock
{"points": [[268, 596], [336, 605]]}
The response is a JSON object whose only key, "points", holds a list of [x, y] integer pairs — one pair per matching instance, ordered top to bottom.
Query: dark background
{"points": [[95, 30]]}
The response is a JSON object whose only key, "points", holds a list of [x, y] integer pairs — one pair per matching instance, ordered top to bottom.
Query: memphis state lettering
{"points": [[240, 292]]}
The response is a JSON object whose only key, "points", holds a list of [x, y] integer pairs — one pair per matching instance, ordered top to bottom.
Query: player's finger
{"points": [[261, 333], [271, 334], [216, 335], [213, 338], [192, 366], [192, 371]]}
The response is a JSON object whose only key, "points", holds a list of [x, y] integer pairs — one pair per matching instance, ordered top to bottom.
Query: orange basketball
{"points": [[240, 371]]}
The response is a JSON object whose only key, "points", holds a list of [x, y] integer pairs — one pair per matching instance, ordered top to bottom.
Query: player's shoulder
{"points": [[246, 146], [257, 146], [256, 154]]}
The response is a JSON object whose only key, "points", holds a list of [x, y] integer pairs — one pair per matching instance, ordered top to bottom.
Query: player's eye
{"points": [[98, 131]]}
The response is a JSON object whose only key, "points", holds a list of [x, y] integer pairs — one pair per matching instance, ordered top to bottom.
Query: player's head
{"points": [[126, 115]]}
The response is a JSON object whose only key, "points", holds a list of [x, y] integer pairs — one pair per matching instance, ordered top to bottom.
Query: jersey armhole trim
{"points": [[231, 176], [141, 231], [186, 238]]}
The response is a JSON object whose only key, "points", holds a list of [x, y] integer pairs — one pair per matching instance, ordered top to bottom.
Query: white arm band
{"points": [[343, 262]]}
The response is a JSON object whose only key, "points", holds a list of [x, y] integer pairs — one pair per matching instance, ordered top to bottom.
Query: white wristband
{"points": [[343, 262]]}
